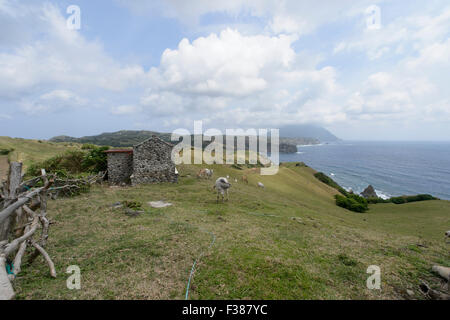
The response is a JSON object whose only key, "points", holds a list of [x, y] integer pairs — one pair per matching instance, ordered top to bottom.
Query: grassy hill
{"points": [[123, 138], [128, 138], [28, 151], [289, 241]]}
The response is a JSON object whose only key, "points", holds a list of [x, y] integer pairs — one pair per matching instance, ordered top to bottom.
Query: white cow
{"points": [[205, 173], [222, 185]]}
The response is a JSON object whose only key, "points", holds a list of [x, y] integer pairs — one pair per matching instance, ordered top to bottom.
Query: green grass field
{"points": [[29, 151], [288, 241]]}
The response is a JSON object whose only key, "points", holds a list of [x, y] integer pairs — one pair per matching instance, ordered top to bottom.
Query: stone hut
{"points": [[149, 162], [152, 162], [120, 166]]}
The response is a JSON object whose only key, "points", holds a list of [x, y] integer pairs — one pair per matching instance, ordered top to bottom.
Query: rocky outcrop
{"points": [[287, 148], [369, 192]]}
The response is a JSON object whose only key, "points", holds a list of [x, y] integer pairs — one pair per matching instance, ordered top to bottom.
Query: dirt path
{"points": [[4, 166]]}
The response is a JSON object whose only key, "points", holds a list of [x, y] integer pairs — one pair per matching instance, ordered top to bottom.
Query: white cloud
{"points": [[288, 16], [404, 35], [49, 55], [228, 64], [246, 78], [250, 80], [413, 88], [385, 94], [63, 96], [56, 100], [125, 110]]}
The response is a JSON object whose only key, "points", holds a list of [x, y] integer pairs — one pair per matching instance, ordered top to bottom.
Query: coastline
{"points": [[393, 168]]}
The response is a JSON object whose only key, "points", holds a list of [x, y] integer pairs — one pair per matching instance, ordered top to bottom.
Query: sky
{"points": [[365, 70]]}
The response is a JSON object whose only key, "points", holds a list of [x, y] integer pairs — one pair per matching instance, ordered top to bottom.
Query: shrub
{"points": [[88, 146], [5, 152], [95, 160], [69, 162], [72, 162], [327, 180], [403, 199], [406, 199], [374, 200], [398, 200], [352, 202], [135, 205]]}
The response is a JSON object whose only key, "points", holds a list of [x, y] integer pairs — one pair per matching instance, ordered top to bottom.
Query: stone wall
{"points": [[152, 162], [120, 167]]}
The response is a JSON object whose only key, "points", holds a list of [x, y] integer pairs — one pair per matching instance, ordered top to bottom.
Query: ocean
{"points": [[392, 168]]}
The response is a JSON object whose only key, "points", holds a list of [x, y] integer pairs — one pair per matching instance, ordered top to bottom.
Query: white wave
{"points": [[310, 145], [298, 152], [332, 174], [348, 189], [382, 195]]}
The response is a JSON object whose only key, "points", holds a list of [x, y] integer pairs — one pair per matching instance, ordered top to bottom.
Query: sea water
{"points": [[392, 168]]}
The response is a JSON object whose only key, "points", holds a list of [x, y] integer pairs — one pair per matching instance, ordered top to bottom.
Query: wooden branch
{"points": [[44, 176], [14, 179], [24, 186], [65, 187], [4, 189], [22, 200], [12, 201], [35, 203], [30, 212], [4, 214], [43, 219], [21, 222], [13, 245], [23, 245], [18, 258], [47, 259], [6, 289], [433, 294]]}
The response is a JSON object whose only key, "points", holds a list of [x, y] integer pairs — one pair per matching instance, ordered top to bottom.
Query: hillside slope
{"points": [[123, 138], [128, 138], [28, 151], [288, 241]]}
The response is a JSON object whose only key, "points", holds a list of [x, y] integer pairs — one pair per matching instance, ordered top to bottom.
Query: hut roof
{"points": [[153, 137], [119, 151]]}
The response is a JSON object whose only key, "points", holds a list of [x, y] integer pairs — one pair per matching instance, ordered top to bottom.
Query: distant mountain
{"points": [[308, 131], [290, 136], [124, 138], [128, 138]]}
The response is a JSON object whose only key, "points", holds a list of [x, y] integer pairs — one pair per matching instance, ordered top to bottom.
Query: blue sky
{"points": [[160, 65]]}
